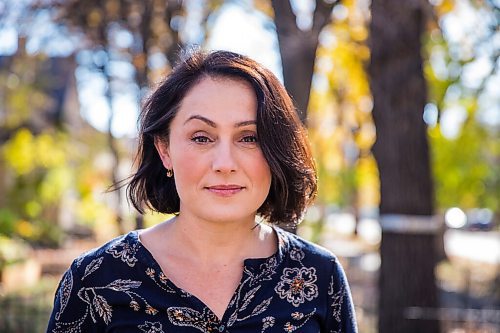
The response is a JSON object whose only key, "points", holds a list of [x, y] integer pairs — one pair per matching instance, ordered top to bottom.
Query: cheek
{"points": [[188, 168], [262, 171]]}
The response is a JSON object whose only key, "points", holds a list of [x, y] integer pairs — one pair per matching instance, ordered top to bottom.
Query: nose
{"points": [[224, 160]]}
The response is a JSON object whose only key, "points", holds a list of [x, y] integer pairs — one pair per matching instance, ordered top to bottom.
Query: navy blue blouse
{"points": [[120, 287]]}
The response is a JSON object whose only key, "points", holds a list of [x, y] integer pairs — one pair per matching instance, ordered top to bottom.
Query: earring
{"points": [[170, 173]]}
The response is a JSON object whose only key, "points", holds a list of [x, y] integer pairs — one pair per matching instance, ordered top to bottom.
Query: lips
{"points": [[225, 190]]}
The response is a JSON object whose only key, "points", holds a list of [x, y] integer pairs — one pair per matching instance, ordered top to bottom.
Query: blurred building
{"points": [[38, 92]]}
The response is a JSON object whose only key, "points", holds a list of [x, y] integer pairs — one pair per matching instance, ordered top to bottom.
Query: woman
{"points": [[222, 148]]}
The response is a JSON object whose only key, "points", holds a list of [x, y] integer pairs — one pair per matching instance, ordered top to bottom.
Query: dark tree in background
{"points": [[298, 48], [408, 254]]}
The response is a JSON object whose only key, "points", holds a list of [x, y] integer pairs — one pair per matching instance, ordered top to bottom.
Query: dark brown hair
{"points": [[281, 135]]}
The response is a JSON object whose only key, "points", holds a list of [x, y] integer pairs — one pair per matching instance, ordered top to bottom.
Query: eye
{"points": [[201, 139], [249, 139]]}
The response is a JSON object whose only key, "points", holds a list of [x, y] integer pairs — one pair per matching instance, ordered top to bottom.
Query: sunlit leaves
{"points": [[443, 7], [340, 125], [25, 152], [19, 153], [466, 158], [466, 168], [49, 177], [56, 182]]}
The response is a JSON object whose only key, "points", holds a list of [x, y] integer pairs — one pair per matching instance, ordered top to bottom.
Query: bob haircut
{"points": [[281, 136]]}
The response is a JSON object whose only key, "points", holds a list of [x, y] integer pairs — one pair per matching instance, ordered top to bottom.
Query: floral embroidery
{"points": [[124, 251], [297, 254], [79, 260], [92, 267], [150, 272], [265, 272], [163, 278], [161, 282], [123, 285], [298, 285], [64, 292], [272, 295], [337, 299], [241, 303], [97, 305], [134, 305], [102, 308], [150, 310], [300, 318], [206, 321], [267, 322], [71, 327], [149, 327], [289, 327]]}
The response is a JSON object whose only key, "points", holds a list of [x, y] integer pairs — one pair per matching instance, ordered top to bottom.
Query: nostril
{"points": [[223, 160]]}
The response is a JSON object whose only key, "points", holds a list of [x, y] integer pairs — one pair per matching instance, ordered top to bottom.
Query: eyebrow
{"points": [[214, 125]]}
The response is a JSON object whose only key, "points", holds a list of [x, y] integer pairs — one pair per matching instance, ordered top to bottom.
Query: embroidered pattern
{"points": [[125, 251], [93, 266], [161, 280], [298, 285], [64, 292], [276, 294], [337, 299], [240, 303], [97, 305], [299, 319], [205, 321], [267, 322], [149, 327]]}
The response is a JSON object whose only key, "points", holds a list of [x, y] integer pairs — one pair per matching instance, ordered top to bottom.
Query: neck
{"points": [[221, 242]]}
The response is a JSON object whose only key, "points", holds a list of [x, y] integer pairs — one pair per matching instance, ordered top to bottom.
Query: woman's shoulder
{"points": [[297, 246]]}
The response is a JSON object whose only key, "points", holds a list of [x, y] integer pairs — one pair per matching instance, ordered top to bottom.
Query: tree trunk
{"points": [[298, 49], [112, 143], [408, 254]]}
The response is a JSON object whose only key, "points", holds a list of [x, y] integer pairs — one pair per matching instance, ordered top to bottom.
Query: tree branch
{"points": [[323, 14], [284, 17]]}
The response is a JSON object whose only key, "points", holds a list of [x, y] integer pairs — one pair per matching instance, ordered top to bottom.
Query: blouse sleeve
{"points": [[72, 310], [341, 316]]}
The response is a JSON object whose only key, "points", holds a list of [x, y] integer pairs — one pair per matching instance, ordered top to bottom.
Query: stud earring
{"points": [[170, 173]]}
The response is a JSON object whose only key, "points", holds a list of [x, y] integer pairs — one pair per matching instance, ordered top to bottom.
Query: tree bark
{"points": [[298, 49], [112, 142], [401, 150]]}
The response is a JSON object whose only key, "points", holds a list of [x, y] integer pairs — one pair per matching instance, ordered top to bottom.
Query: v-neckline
{"points": [[249, 263]]}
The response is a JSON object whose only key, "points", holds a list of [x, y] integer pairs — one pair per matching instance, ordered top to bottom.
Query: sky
{"points": [[240, 28]]}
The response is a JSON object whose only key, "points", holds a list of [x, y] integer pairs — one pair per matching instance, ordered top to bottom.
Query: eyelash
{"points": [[202, 139], [253, 139]]}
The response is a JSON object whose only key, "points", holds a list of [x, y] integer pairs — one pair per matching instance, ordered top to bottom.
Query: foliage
{"points": [[340, 125], [41, 162], [466, 162], [466, 168], [49, 170], [53, 174], [42, 177]]}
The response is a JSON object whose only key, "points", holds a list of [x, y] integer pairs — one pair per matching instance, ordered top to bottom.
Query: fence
{"points": [[24, 314]]}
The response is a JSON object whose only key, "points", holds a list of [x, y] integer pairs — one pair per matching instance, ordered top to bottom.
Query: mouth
{"points": [[225, 190]]}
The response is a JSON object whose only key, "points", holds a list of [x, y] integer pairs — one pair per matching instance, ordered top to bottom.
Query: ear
{"points": [[163, 151]]}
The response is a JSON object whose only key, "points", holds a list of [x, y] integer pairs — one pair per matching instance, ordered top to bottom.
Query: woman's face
{"points": [[219, 169]]}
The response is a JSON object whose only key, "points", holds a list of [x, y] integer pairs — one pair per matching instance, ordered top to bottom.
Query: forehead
{"points": [[221, 98]]}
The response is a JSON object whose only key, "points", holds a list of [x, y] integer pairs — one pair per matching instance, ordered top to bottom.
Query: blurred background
{"points": [[401, 99]]}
